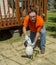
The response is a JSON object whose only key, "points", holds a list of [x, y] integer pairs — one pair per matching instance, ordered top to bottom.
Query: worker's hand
{"points": [[28, 40], [33, 44]]}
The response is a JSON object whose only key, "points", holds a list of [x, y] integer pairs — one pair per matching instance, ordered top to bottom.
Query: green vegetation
{"points": [[51, 23]]}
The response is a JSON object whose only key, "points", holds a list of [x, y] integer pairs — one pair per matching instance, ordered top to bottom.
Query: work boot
{"points": [[42, 50]]}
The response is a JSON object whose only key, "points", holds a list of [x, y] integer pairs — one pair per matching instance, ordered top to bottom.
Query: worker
{"points": [[37, 29]]}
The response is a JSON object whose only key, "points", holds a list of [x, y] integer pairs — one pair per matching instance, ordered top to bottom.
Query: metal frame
{"points": [[17, 19]]}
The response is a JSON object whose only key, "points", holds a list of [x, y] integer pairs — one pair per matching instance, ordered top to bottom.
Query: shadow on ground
{"points": [[54, 11], [52, 19], [52, 29], [4, 35], [54, 35]]}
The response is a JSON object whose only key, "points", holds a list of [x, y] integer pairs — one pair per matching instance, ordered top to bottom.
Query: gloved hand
{"points": [[28, 40], [33, 44]]}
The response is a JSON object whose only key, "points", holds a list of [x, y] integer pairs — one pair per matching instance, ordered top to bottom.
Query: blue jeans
{"points": [[42, 37]]}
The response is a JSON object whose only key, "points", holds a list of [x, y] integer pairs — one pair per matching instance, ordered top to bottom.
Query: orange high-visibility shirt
{"points": [[34, 27]]}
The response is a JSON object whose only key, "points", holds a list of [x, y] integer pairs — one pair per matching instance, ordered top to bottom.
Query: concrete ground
{"points": [[13, 54]]}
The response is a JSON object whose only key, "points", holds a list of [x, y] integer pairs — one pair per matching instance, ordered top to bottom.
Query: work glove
{"points": [[28, 40], [33, 44]]}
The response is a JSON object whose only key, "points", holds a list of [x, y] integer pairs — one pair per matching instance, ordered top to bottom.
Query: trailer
{"points": [[13, 12]]}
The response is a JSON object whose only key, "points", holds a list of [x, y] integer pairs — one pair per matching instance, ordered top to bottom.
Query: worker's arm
{"points": [[25, 25], [39, 29], [24, 31], [26, 36], [37, 37]]}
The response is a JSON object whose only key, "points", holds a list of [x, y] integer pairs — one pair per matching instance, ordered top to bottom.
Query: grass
{"points": [[51, 24]]}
